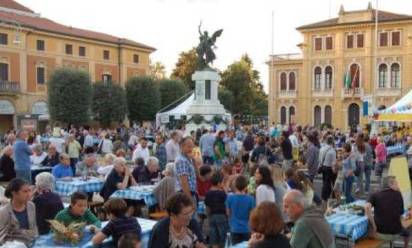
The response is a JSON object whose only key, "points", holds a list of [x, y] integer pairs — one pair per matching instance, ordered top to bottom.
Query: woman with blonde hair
{"points": [[105, 169], [281, 187], [306, 187]]}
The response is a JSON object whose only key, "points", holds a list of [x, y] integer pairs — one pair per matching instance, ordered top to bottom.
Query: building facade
{"points": [[31, 47], [342, 62]]}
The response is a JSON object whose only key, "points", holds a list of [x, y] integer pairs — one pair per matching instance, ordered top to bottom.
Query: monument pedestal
{"points": [[206, 109]]}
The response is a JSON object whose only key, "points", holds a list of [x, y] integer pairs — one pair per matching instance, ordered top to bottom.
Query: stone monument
{"points": [[206, 110]]}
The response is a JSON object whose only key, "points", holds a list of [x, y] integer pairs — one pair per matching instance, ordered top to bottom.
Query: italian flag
{"points": [[347, 80]]}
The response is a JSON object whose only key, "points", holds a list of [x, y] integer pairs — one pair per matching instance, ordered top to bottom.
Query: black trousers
{"points": [[328, 179]]}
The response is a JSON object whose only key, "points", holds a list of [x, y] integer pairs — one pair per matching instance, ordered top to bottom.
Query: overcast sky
{"points": [[171, 25]]}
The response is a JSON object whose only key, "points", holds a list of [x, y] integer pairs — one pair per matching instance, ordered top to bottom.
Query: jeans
{"points": [[73, 162], [24, 174], [364, 176], [367, 179], [328, 182], [347, 188], [218, 228]]}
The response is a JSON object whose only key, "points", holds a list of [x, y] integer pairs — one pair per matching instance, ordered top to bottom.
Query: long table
{"points": [[66, 188], [144, 193], [46, 241]]}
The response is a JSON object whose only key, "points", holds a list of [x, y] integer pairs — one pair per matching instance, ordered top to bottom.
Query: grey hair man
{"points": [[45, 181], [388, 209], [311, 228]]}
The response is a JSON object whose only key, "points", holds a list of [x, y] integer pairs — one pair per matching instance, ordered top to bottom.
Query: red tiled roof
{"points": [[10, 4], [383, 16], [44, 24]]}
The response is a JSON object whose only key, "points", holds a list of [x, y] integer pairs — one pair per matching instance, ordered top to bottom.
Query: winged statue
{"points": [[205, 49]]}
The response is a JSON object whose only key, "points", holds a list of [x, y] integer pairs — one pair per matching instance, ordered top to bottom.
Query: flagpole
{"points": [[375, 62]]}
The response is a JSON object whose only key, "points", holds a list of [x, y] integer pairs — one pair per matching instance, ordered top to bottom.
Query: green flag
{"points": [[347, 80]]}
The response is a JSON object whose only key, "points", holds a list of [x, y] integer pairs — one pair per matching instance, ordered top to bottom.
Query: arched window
{"points": [[383, 71], [4, 72], [355, 75], [395, 75], [318, 77], [328, 77], [283, 81], [292, 81], [291, 114], [283, 115], [328, 115], [353, 115], [317, 116]]}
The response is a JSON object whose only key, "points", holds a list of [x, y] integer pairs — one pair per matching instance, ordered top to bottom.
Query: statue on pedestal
{"points": [[205, 48]]}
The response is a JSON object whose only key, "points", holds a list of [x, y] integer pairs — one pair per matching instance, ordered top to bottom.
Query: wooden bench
{"points": [[369, 243]]}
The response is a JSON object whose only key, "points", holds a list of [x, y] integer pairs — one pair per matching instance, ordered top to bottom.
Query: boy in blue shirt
{"points": [[63, 169], [238, 208], [216, 210]]}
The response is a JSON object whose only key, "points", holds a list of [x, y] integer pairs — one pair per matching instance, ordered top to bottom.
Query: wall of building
{"points": [[24, 58], [340, 58]]}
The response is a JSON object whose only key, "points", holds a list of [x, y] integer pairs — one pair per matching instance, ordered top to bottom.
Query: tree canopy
{"points": [[69, 96], [143, 98]]}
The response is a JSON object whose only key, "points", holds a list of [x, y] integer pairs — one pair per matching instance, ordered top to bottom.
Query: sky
{"points": [[171, 25]]}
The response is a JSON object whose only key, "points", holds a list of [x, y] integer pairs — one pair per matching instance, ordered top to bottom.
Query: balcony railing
{"points": [[286, 56], [9, 87], [322, 92], [354, 92], [388, 92], [287, 93]]}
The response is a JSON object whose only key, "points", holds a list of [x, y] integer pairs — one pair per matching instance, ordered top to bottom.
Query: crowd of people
{"points": [[257, 183]]}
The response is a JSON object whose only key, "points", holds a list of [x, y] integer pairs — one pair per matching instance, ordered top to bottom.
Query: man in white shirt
{"points": [[88, 139], [132, 140], [58, 142], [106, 145], [172, 146], [141, 151]]}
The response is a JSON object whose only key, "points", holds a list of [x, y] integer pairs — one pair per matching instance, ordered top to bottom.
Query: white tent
{"points": [[399, 111], [176, 112]]}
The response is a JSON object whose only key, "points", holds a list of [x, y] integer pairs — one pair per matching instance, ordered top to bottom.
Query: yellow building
{"points": [[31, 47], [309, 88]]}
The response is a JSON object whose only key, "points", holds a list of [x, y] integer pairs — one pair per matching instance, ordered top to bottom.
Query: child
{"points": [[237, 166], [203, 181], [215, 206], [238, 208], [78, 212], [119, 224], [129, 240]]}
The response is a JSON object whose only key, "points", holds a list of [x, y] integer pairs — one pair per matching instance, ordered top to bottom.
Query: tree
{"points": [[185, 67], [158, 70], [243, 81], [170, 91], [69, 96], [143, 98], [225, 98], [109, 103]]}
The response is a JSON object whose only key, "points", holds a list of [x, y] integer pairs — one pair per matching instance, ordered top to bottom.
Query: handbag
{"points": [[321, 168]]}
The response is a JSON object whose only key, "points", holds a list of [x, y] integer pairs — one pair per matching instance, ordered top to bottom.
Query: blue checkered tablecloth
{"points": [[396, 149], [66, 188], [130, 194], [349, 225], [46, 241]]}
